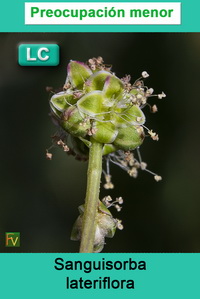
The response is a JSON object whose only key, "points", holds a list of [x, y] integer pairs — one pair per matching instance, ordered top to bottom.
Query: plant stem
{"points": [[92, 197]]}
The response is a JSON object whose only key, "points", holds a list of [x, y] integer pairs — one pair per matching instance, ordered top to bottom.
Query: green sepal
{"points": [[78, 73], [96, 81], [113, 87], [62, 100], [91, 104], [55, 112], [123, 117], [73, 123], [105, 132], [129, 138], [86, 142], [108, 148], [102, 208], [106, 221], [106, 224]]}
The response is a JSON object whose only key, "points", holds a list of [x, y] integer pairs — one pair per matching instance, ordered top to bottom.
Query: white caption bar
{"points": [[102, 13]]}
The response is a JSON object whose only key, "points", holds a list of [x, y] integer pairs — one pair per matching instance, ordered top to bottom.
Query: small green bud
{"points": [[78, 73], [96, 81], [113, 87], [60, 102], [91, 104], [123, 117], [73, 122], [104, 132], [129, 138], [108, 149], [106, 221], [105, 226]]}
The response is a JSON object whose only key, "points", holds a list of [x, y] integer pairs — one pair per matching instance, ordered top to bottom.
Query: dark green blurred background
{"points": [[39, 198]]}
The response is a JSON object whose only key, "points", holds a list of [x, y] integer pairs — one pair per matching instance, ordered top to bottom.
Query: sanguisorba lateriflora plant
{"points": [[100, 117]]}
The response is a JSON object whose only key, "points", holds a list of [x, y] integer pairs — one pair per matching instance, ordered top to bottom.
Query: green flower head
{"points": [[95, 102]]}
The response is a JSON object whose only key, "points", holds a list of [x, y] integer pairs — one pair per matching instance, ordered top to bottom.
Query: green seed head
{"points": [[95, 102]]}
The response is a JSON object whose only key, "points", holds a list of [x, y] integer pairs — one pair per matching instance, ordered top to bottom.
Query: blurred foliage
{"points": [[39, 198]]}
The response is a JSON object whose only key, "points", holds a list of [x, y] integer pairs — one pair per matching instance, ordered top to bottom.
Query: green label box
{"points": [[38, 55]]}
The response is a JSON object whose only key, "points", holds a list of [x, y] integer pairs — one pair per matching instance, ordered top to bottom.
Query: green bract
{"points": [[96, 103], [105, 226]]}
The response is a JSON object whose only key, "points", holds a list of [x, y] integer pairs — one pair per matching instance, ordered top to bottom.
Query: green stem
{"points": [[92, 197]]}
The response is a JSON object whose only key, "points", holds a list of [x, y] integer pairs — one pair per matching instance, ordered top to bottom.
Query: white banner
{"points": [[102, 13]]}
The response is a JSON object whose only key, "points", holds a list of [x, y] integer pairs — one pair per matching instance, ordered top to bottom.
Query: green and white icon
{"points": [[38, 55]]}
